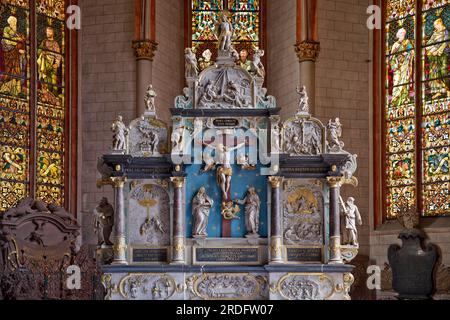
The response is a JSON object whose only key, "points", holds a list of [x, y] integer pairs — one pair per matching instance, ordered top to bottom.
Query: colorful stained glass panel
{"points": [[429, 4], [207, 5], [243, 5], [51, 8], [397, 9], [246, 25], [435, 25], [203, 26], [400, 36], [402, 95], [402, 111], [14, 128], [436, 131], [50, 134], [401, 136], [13, 163], [436, 165], [50, 168], [400, 169], [12, 193], [50, 194], [399, 198], [436, 199]]}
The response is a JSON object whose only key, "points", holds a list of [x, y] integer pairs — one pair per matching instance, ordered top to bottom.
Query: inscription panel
{"points": [[304, 254], [149, 255], [227, 255]]}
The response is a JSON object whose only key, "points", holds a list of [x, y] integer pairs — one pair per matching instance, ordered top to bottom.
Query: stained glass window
{"points": [[245, 16], [32, 101], [417, 117]]}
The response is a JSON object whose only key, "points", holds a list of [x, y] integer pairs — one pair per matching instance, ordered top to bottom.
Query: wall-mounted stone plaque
{"points": [[301, 254], [149, 255], [229, 255]]}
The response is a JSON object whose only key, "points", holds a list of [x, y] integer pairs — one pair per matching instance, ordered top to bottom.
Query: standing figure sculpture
{"points": [[225, 32], [191, 67], [257, 67], [149, 99], [303, 104], [335, 129], [120, 131], [201, 206], [252, 207], [352, 217], [104, 222]]}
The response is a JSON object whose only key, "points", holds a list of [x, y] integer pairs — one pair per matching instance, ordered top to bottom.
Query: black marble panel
{"points": [[304, 254], [150, 255], [227, 255]]}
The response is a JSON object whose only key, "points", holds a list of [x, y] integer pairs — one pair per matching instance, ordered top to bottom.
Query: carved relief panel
{"points": [[148, 137], [303, 212], [149, 213]]}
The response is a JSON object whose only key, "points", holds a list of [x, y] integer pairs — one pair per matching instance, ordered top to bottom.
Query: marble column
{"points": [[307, 46], [144, 47], [335, 220], [276, 229], [178, 243], [120, 244]]}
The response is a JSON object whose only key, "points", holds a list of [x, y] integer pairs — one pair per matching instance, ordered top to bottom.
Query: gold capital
{"points": [[144, 49], [307, 50], [118, 182], [178, 182], [275, 182], [336, 182]]}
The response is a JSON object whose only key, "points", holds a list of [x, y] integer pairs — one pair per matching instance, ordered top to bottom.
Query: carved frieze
{"points": [[148, 137], [227, 286], [147, 287], [305, 287]]}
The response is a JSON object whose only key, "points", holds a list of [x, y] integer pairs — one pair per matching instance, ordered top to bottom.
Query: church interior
{"points": [[225, 149]]}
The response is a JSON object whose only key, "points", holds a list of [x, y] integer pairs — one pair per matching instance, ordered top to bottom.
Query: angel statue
{"points": [[225, 32], [191, 67], [149, 99], [303, 104]]}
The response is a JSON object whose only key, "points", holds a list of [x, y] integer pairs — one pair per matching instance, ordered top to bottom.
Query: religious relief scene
{"points": [[193, 150]]}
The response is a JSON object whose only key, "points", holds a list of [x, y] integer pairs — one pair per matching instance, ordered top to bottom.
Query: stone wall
{"points": [[282, 61], [108, 81]]}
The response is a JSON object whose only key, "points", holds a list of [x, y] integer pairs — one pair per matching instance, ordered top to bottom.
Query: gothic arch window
{"points": [[248, 17], [416, 107], [37, 109]]}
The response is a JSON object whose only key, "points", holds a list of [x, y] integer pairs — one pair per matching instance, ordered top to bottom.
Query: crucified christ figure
{"points": [[225, 171]]}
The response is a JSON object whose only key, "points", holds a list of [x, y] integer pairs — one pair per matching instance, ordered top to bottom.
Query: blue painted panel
{"points": [[241, 181]]}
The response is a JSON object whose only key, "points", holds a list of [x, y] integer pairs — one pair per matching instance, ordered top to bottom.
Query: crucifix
{"points": [[224, 174]]}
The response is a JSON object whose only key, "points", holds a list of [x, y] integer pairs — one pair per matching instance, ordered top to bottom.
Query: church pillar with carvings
{"points": [[144, 46], [307, 46], [335, 219], [276, 233], [120, 245], [178, 247]]}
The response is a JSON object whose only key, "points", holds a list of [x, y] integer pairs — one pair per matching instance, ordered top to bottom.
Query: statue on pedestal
{"points": [[225, 32], [191, 67], [257, 68], [149, 99], [303, 104], [335, 129], [120, 131], [201, 207], [252, 207], [352, 217], [104, 222]]}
